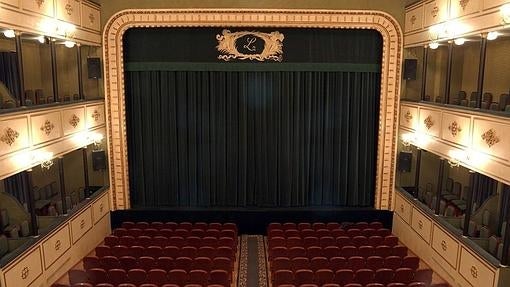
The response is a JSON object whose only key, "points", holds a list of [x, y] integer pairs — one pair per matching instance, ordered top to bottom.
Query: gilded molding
{"points": [[385, 24], [74, 121], [428, 122], [47, 127], [454, 128], [9, 136], [490, 137]]}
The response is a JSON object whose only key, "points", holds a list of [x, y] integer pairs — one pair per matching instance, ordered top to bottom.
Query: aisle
{"points": [[252, 266]]}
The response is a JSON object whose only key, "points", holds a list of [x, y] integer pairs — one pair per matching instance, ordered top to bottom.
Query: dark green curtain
{"points": [[252, 139]]}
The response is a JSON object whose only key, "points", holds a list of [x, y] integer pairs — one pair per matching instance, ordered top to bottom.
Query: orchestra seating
{"points": [[167, 254], [340, 254]]}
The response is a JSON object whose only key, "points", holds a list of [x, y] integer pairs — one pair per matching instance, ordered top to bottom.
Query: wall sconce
{"points": [[505, 13], [55, 27], [9, 33], [492, 35], [459, 41], [69, 44], [434, 45], [407, 139], [456, 156], [45, 159]]}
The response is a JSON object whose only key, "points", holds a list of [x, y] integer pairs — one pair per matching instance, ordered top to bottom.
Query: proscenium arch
{"points": [[391, 62]]}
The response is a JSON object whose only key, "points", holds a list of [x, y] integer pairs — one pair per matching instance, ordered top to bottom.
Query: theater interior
{"points": [[283, 143]]}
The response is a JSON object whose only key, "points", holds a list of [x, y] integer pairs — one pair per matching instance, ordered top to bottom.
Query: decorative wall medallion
{"points": [[39, 2], [463, 4], [69, 9], [435, 11], [92, 18], [413, 19], [247, 45], [96, 115], [408, 116], [74, 121], [428, 122], [48, 127], [454, 128], [9, 136], [490, 137], [474, 271], [24, 273]]}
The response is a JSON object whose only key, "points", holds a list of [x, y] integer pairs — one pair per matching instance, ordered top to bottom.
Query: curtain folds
{"points": [[252, 139]]}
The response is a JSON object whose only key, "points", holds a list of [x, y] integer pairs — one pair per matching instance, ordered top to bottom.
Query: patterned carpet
{"points": [[252, 265]]}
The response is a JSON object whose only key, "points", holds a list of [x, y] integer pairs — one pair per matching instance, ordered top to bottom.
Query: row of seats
{"points": [[181, 225], [322, 225], [180, 232], [337, 232], [178, 241], [339, 241], [168, 251], [333, 251], [165, 263], [336, 263], [154, 276], [343, 276], [412, 284], [141, 285]]}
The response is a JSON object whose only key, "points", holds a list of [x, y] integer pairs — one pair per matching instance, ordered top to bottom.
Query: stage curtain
{"points": [[252, 139]]}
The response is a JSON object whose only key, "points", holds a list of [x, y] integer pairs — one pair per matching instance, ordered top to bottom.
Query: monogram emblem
{"points": [[463, 4], [69, 9], [435, 11], [92, 18], [413, 19], [96, 115], [408, 116], [48, 127], [454, 128], [9, 136], [82, 224], [58, 244], [443, 245], [474, 272], [24, 273]]}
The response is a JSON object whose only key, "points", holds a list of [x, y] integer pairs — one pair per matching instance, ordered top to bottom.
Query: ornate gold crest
{"points": [[247, 45]]}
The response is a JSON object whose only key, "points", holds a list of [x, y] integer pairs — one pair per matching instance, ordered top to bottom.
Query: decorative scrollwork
{"points": [[39, 2], [463, 4], [69, 9], [435, 11], [92, 18], [413, 19], [246, 45], [96, 115], [408, 116], [74, 121], [428, 122], [48, 127], [454, 128], [9, 136], [490, 137], [101, 207], [82, 224], [420, 224], [443, 245], [474, 271], [25, 272]]}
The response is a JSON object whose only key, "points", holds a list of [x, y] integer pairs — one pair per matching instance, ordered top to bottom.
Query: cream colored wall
{"points": [[393, 7]]}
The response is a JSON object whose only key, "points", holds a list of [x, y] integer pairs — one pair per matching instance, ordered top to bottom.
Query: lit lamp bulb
{"points": [[505, 13], [9, 33], [492, 35], [41, 39], [459, 41], [69, 44], [434, 45]]}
